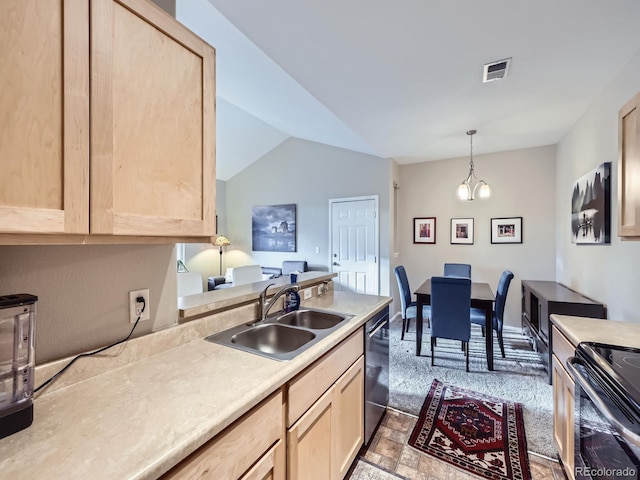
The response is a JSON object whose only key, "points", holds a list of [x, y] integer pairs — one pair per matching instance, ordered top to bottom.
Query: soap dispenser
{"points": [[292, 301]]}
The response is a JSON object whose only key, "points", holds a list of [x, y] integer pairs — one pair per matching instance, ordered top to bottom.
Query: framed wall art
{"points": [[591, 206], [273, 228], [424, 230], [506, 230], [462, 231]]}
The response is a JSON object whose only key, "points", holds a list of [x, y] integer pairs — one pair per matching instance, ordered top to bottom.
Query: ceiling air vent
{"points": [[496, 70]]}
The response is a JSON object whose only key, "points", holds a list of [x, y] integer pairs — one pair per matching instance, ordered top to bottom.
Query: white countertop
{"points": [[582, 329], [139, 420]]}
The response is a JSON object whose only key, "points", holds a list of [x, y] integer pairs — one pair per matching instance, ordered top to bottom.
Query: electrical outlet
{"points": [[306, 293], [136, 307]]}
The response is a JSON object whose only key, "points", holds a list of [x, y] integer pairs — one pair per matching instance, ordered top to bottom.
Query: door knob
{"points": [[335, 263]]}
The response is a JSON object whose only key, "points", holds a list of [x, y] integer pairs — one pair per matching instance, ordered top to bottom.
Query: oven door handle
{"points": [[627, 434]]}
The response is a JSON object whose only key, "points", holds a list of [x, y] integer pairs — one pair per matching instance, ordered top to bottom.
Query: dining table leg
{"points": [[488, 321], [418, 325]]}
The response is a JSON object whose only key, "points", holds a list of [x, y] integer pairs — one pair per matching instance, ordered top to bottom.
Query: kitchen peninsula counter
{"points": [[216, 300], [139, 420]]}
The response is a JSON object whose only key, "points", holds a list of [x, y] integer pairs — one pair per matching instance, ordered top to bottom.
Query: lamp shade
{"points": [[463, 191], [485, 191], [221, 241]]}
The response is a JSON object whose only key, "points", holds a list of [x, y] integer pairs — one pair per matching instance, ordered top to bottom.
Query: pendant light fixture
{"points": [[467, 189]]}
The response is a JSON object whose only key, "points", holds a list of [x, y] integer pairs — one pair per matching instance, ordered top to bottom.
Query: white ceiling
{"points": [[403, 79]]}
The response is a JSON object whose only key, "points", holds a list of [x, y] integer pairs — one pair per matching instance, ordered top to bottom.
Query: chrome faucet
{"points": [[264, 306]]}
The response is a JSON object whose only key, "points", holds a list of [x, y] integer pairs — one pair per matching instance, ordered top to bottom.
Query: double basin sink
{"points": [[283, 336]]}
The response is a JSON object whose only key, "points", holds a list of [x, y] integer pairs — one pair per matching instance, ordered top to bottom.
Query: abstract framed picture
{"points": [[591, 207], [273, 228], [424, 230], [506, 230], [462, 231]]}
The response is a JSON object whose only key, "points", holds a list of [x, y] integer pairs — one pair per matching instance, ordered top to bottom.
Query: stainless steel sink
{"points": [[313, 319], [282, 336], [273, 338]]}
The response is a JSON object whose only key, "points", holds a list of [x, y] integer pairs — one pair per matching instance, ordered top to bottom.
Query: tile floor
{"points": [[389, 450]]}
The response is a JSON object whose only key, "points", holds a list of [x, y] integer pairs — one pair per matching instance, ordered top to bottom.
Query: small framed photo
{"points": [[424, 230], [506, 230], [462, 231]]}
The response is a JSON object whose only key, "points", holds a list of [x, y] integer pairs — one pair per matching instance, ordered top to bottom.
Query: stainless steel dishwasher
{"points": [[376, 383]]}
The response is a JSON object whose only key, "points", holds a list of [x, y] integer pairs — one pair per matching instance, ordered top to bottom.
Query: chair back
{"points": [[289, 266], [457, 270], [246, 274], [189, 283], [403, 287], [501, 295], [450, 308]]}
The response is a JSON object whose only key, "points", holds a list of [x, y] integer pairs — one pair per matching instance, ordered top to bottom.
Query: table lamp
{"points": [[221, 241]]}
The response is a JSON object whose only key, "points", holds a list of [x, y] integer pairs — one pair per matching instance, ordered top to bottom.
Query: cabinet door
{"points": [[44, 116], [152, 123], [629, 169], [348, 400], [563, 423], [309, 443], [270, 467]]}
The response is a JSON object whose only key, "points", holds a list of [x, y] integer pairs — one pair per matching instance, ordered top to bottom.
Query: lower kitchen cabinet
{"points": [[348, 399], [563, 402], [325, 413], [314, 435], [323, 443], [309, 446], [250, 449], [271, 466]]}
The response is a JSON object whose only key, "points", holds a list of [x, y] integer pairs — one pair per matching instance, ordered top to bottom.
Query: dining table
{"points": [[481, 297]]}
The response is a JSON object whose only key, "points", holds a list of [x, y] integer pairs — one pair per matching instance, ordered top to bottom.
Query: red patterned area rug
{"points": [[473, 431]]}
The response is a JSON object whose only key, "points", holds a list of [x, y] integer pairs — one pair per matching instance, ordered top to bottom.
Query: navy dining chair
{"points": [[457, 270], [450, 304], [409, 308], [478, 315]]}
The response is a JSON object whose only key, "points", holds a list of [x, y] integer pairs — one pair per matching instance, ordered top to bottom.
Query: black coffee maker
{"points": [[17, 361]]}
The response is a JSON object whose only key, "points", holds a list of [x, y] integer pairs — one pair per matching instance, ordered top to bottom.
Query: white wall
{"points": [[307, 174], [523, 185], [607, 273], [83, 291]]}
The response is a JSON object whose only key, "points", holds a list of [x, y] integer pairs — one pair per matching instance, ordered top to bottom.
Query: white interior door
{"points": [[354, 244]]}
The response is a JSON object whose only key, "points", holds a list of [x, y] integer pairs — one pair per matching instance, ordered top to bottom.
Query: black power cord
{"points": [[138, 300]]}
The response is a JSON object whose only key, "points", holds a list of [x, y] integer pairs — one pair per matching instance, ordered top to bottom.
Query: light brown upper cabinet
{"points": [[44, 116], [107, 120], [152, 123], [629, 169]]}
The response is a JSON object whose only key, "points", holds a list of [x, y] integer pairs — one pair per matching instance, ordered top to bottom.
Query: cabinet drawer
{"points": [[562, 348], [307, 387], [229, 454], [271, 466]]}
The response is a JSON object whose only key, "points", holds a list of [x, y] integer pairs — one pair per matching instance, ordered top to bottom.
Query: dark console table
{"points": [[542, 298]]}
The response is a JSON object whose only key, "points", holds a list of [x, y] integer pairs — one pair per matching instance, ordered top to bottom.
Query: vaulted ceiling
{"points": [[403, 79]]}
